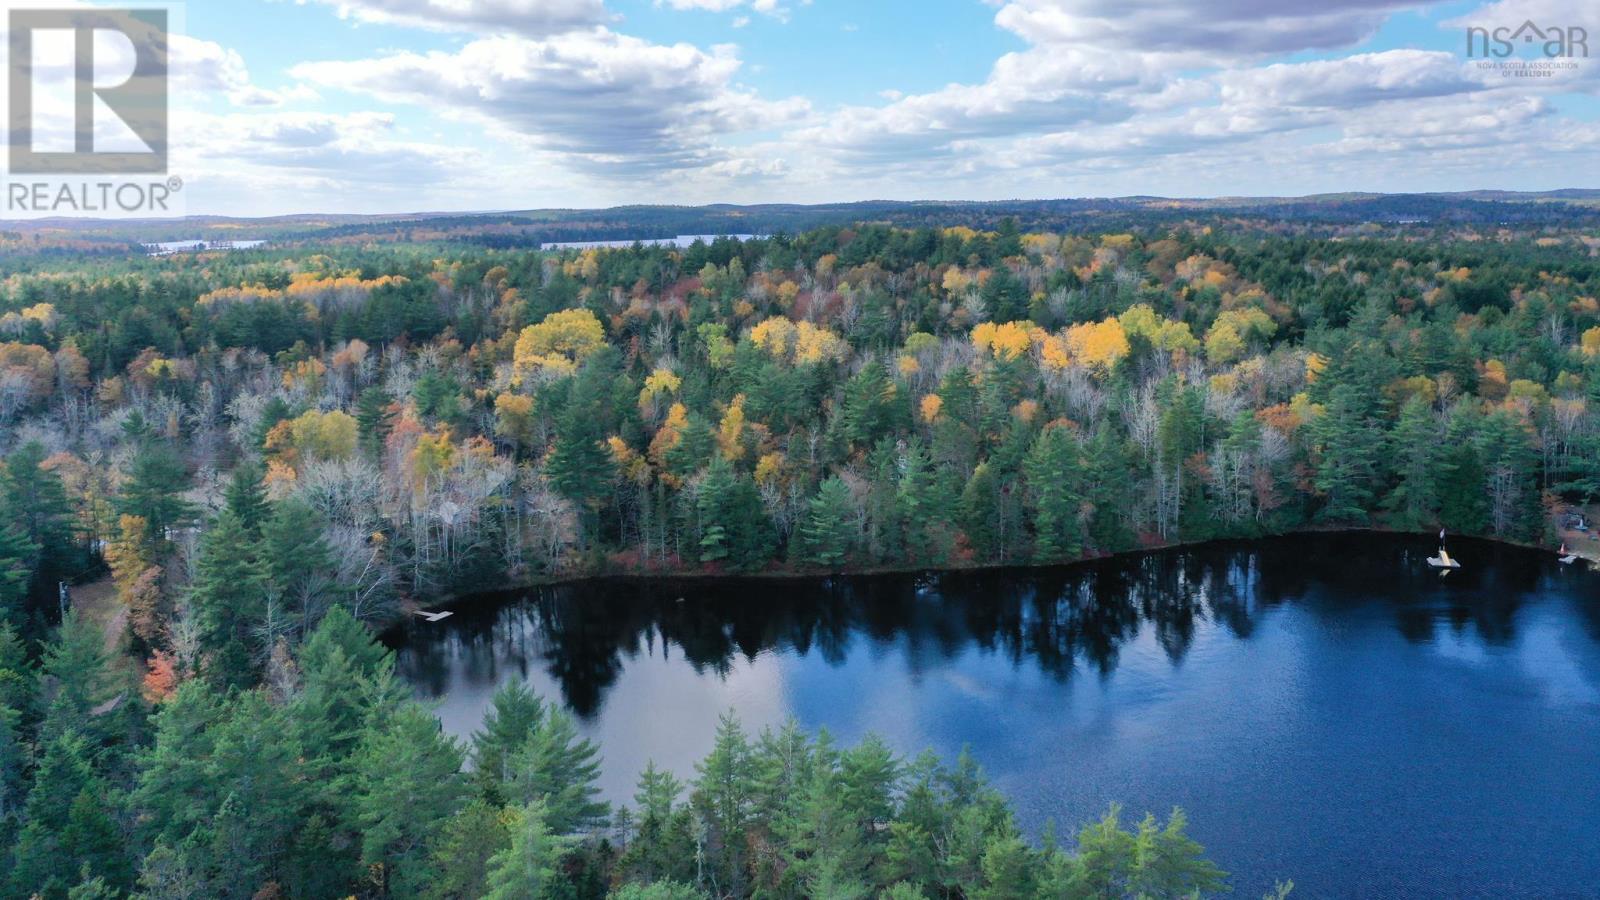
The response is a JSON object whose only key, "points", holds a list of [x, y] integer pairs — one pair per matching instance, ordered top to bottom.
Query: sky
{"points": [[409, 105]]}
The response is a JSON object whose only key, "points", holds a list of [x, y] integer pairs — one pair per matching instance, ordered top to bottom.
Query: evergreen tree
{"points": [[867, 411], [374, 417], [1415, 450], [579, 465], [1348, 466], [1055, 470], [1462, 482], [1108, 483], [154, 491], [246, 497], [36, 502], [925, 505], [979, 512], [732, 523], [825, 537], [296, 559], [16, 573], [229, 592], [88, 693], [515, 714], [560, 770], [407, 779], [722, 799], [69, 833], [471, 838], [662, 847], [526, 869]]}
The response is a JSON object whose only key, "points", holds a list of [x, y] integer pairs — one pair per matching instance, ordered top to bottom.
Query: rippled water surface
{"points": [[1325, 708]]}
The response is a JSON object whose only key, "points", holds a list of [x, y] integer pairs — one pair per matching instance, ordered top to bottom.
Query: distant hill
{"points": [[526, 228]]}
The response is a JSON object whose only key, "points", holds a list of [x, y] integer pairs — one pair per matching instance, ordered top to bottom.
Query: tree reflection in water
{"points": [[1058, 620]]}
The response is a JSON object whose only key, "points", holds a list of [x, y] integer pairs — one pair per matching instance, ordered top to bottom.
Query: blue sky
{"points": [[405, 105]]}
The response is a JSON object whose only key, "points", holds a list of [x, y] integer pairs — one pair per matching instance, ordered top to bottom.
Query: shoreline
{"points": [[409, 607]]}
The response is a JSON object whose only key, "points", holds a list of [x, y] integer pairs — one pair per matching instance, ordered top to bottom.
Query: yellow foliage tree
{"points": [[955, 281], [1163, 334], [774, 335], [1007, 341], [1590, 342], [1223, 343], [557, 344], [815, 345], [1098, 346], [660, 383], [932, 405], [513, 414], [669, 434], [730, 434], [322, 435], [433, 453], [632, 466], [769, 468]]}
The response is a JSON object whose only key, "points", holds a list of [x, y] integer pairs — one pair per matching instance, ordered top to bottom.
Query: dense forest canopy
{"points": [[257, 454]]}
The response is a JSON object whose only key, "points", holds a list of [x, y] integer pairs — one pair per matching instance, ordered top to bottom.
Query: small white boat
{"points": [[1567, 559], [1443, 561], [433, 616]]}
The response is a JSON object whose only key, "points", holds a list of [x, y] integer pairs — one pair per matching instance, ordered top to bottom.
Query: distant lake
{"points": [[680, 242], [1325, 708]]}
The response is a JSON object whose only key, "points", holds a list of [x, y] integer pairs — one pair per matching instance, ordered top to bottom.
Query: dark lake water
{"points": [[1325, 708]]}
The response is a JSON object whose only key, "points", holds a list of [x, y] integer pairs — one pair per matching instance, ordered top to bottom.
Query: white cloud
{"points": [[534, 18], [1214, 28], [200, 67], [1352, 80], [605, 101], [360, 147]]}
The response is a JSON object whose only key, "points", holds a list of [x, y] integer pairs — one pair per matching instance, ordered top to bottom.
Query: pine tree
{"points": [[866, 413], [374, 418], [1415, 448], [579, 465], [1348, 466], [1055, 470], [1462, 482], [1108, 483], [154, 491], [246, 497], [925, 501], [36, 502], [1515, 507], [978, 512], [732, 523], [825, 537], [296, 559], [16, 571], [229, 592], [18, 682], [89, 693], [515, 713], [13, 760], [559, 769], [407, 778], [722, 799], [69, 832], [471, 838], [662, 846], [1168, 863], [528, 868]]}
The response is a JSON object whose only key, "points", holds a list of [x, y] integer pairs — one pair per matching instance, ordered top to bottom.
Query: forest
{"points": [[223, 472]]}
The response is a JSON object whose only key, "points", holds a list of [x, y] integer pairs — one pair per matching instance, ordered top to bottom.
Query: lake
{"points": [[1325, 707]]}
